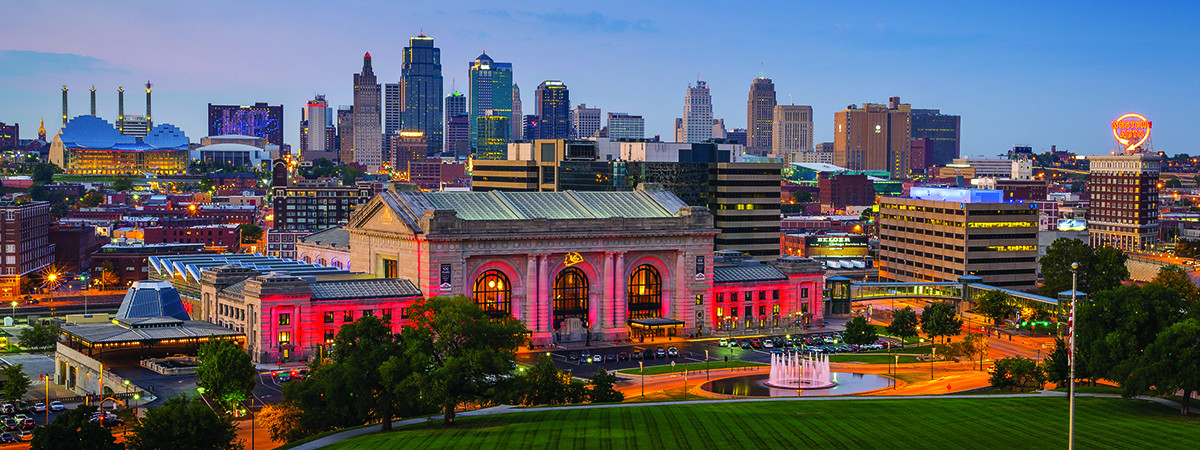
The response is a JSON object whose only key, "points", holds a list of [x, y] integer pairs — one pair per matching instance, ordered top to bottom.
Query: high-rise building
{"points": [[421, 76], [491, 90], [456, 104], [393, 107], [553, 110], [760, 113], [517, 114], [259, 120], [585, 121], [697, 123], [626, 126], [529, 128], [718, 131], [792, 131], [345, 133], [943, 133], [10, 135], [492, 135], [458, 136], [679, 136], [736, 136], [874, 137], [368, 140], [313, 142], [407, 146], [918, 155], [315, 205], [1123, 212], [940, 234], [26, 247]]}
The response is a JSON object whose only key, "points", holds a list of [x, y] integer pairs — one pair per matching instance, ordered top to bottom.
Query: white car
{"points": [[723, 342], [768, 344], [57, 406]]}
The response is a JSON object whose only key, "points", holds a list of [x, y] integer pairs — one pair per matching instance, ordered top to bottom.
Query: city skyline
{"points": [[1010, 84]]}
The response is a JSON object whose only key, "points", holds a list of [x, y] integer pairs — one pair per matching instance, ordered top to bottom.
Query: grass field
{"points": [[868, 358], [691, 367], [906, 423]]}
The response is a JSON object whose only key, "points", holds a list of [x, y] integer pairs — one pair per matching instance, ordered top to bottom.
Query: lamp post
{"points": [[14, 311], [1071, 355], [895, 371], [642, 372], [706, 378]]}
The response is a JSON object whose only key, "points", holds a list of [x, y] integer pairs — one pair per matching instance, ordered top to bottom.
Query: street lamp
{"points": [[1071, 355], [642, 372]]}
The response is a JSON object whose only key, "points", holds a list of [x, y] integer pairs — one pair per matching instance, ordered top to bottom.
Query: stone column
{"points": [[620, 281], [528, 304], [542, 305]]}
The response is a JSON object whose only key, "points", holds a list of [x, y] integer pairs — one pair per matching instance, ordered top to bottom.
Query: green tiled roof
{"points": [[497, 205]]}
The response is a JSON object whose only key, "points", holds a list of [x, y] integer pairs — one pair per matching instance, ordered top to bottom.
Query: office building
{"points": [[421, 76], [491, 90], [456, 105], [393, 107], [553, 110], [517, 114], [760, 117], [258, 120], [585, 121], [697, 121], [135, 126], [626, 126], [529, 128], [718, 131], [792, 132], [345, 133], [943, 133], [10, 135], [458, 136], [679, 136], [736, 136], [874, 137], [368, 138], [491, 138], [315, 141], [407, 146], [918, 155], [837, 191], [1123, 195], [315, 205], [940, 234], [25, 237]]}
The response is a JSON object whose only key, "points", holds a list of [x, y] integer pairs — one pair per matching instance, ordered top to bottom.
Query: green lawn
{"points": [[870, 358], [692, 367], [906, 423]]}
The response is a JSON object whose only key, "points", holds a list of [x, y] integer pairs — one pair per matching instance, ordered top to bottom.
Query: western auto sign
{"points": [[1131, 130]]}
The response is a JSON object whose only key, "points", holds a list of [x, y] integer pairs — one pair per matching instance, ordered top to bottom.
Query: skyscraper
{"points": [[421, 76], [491, 90], [456, 104], [393, 106], [553, 110], [517, 113], [760, 113], [259, 120], [585, 122], [697, 125], [626, 126], [718, 130], [792, 131], [458, 132], [345, 133], [943, 133], [874, 137], [492, 138], [368, 142], [313, 144], [1124, 201]]}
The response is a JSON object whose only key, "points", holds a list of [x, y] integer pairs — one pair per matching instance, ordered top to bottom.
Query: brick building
{"points": [[842, 190], [24, 242]]}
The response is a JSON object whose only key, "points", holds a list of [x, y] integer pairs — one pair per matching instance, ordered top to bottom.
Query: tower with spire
{"points": [[42, 130], [368, 140]]}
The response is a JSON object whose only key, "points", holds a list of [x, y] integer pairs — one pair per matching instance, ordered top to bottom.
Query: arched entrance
{"points": [[493, 293], [644, 297], [570, 304]]}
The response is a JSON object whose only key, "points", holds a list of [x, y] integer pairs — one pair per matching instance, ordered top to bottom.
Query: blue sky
{"points": [[1030, 73]]}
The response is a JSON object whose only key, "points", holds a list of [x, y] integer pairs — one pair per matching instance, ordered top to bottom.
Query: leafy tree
{"points": [[43, 173], [1173, 182], [122, 184], [38, 192], [802, 197], [91, 199], [59, 210], [250, 232], [1099, 269], [1109, 269], [108, 275], [1174, 277], [994, 305], [940, 319], [904, 324], [1115, 327], [859, 332], [39, 335], [459, 349], [1057, 364], [1170, 364], [225, 372], [1016, 373], [16, 384], [544, 384], [602, 388], [282, 420], [184, 423], [71, 430]]}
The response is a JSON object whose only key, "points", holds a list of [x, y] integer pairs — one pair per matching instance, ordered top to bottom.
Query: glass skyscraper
{"points": [[421, 77], [491, 90], [553, 110], [943, 133]]}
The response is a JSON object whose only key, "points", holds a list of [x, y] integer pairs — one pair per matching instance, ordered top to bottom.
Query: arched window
{"points": [[307, 259], [321, 261], [338, 264], [645, 293], [493, 294], [570, 296]]}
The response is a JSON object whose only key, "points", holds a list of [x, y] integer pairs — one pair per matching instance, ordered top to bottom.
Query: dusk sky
{"points": [[1029, 73]]}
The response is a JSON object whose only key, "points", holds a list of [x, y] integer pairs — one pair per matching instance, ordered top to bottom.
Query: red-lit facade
{"points": [[754, 296]]}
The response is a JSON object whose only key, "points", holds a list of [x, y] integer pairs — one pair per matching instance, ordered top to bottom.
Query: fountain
{"points": [[795, 371]]}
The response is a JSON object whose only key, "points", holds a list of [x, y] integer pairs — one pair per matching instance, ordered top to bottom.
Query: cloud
{"points": [[27, 63]]}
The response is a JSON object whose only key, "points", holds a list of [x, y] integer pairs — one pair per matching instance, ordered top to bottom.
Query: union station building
{"points": [[576, 266]]}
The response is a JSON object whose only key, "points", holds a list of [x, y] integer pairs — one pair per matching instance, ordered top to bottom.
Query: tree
{"points": [[43, 173], [1173, 182], [122, 184], [38, 192], [802, 197], [91, 199], [250, 232], [1100, 269], [1108, 269], [108, 275], [1174, 277], [994, 305], [940, 319], [904, 324], [1115, 327], [859, 332], [39, 335], [459, 349], [1057, 364], [1170, 364], [225, 372], [1017, 372], [16, 383], [543, 384], [602, 388], [282, 420], [184, 423], [72, 430]]}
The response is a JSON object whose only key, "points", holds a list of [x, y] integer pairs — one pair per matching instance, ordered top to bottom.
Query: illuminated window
{"points": [[389, 268], [493, 293], [645, 293], [570, 296], [699, 299], [348, 316], [329, 317], [285, 319], [329, 335], [285, 337]]}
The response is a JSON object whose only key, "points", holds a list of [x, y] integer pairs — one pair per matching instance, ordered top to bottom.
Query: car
{"points": [[723, 342], [756, 343], [745, 344], [768, 344], [672, 352], [660, 353], [648, 354], [636, 355], [574, 356], [622, 356], [585, 357], [611, 357], [283, 376], [24, 406], [54, 406], [39, 407], [8, 408], [20, 417], [28, 423], [11, 424], [26, 435], [8, 438]]}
